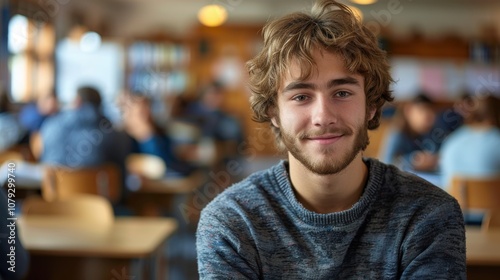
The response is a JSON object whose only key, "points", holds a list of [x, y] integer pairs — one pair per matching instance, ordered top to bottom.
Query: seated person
{"points": [[34, 114], [208, 114], [451, 119], [82, 136], [148, 137], [411, 143], [473, 150]]}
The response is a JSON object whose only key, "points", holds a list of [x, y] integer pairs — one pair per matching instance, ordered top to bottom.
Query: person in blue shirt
{"points": [[208, 114], [32, 115], [216, 125], [82, 136], [148, 137], [412, 143], [473, 150]]}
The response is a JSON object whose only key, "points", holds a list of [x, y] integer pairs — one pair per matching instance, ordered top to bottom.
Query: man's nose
{"points": [[323, 112]]}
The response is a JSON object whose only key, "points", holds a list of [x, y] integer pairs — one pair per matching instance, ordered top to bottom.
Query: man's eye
{"points": [[342, 94], [300, 98]]}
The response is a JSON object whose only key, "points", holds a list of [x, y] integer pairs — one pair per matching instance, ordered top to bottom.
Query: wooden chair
{"points": [[377, 138], [36, 145], [8, 155], [145, 165], [61, 183], [478, 193], [91, 209], [491, 220]]}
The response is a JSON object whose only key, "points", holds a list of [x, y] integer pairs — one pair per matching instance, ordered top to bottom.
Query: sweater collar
{"points": [[344, 218]]}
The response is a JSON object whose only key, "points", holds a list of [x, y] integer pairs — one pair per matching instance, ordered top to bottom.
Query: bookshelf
{"points": [[157, 68]]}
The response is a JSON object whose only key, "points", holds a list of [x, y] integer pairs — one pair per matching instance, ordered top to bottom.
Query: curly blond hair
{"points": [[331, 26]]}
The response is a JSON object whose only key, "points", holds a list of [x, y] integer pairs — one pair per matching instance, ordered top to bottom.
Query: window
{"points": [[31, 47]]}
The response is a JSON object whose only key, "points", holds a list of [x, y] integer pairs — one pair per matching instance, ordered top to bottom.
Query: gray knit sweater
{"points": [[402, 227]]}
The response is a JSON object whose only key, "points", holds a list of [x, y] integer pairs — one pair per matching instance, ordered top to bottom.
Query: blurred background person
{"points": [[32, 115], [31, 118], [452, 118], [217, 126], [10, 130], [82, 136], [148, 137], [410, 143], [473, 150]]}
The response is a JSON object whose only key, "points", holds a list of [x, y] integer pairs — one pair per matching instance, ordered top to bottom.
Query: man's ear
{"points": [[372, 113], [274, 122]]}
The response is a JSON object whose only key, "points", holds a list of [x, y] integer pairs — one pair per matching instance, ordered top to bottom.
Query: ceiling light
{"points": [[363, 2], [212, 15]]}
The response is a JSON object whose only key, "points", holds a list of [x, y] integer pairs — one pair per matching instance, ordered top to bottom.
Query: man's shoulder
{"points": [[403, 185], [411, 187], [245, 195]]}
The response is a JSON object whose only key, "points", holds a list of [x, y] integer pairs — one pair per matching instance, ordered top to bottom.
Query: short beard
{"points": [[337, 162]]}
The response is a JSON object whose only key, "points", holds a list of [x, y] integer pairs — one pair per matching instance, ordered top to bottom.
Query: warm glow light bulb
{"points": [[363, 2], [212, 15]]}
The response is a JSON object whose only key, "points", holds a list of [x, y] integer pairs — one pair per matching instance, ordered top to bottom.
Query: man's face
{"points": [[323, 119]]}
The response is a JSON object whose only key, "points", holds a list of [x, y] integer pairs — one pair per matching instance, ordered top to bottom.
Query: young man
{"points": [[327, 213]]}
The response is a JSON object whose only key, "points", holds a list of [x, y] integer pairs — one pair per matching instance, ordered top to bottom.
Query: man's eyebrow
{"points": [[342, 81], [330, 84], [298, 85]]}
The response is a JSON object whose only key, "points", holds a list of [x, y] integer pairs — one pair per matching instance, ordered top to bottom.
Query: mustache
{"points": [[321, 132]]}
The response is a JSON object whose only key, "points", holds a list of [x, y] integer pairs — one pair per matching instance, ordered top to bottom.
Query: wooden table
{"points": [[172, 185], [153, 196], [66, 249], [483, 253]]}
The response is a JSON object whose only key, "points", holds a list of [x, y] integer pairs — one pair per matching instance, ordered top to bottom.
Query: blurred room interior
{"points": [[444, 48], [161, 49]]}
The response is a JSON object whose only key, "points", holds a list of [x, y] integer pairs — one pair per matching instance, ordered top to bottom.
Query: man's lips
{"points": [[325, 139]]}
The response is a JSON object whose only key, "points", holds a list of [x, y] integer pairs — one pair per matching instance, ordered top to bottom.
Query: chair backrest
{"points": [[377, 138], [36, 144], [9, 156], [145, 165], [61, 183], [476, 193], [91, 209], [491, 220]]}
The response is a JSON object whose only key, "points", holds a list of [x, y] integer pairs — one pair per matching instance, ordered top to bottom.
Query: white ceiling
{"points": [[125, 18]]}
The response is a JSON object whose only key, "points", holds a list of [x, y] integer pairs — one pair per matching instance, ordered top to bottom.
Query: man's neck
{"points": [[328, 193]]}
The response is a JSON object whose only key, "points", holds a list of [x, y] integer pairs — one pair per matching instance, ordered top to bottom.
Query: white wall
{"points": [[102, 69]]}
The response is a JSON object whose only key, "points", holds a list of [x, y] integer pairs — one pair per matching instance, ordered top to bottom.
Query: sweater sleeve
{"points": [[435, 245], [223, 251]]}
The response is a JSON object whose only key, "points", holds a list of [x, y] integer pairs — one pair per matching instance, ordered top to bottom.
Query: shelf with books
{"points": [[157, 68]]}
